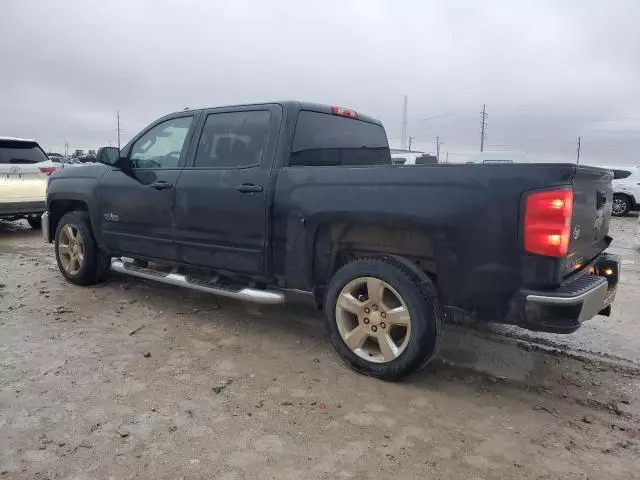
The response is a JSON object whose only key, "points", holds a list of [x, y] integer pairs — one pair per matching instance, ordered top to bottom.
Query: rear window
{"points": [[328, 140], [21, 152], [620, 174]]}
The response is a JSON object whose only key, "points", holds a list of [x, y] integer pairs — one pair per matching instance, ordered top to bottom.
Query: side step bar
{"points": [[246, 294]]}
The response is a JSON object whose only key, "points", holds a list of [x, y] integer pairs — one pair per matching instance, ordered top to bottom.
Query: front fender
{"points": [[75, 188]]}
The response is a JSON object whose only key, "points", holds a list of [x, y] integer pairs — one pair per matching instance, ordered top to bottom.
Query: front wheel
{"points": [[621, 206], [79, 258], [383, 318]]}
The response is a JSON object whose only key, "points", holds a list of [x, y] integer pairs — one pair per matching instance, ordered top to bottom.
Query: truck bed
{"points": [[470, 216]]}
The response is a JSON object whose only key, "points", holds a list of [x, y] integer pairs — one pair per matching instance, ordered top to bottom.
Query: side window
{"points": [[233, 139], [161, 146]]}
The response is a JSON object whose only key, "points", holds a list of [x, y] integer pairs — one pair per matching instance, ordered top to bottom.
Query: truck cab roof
{"points": [[290, 105]]}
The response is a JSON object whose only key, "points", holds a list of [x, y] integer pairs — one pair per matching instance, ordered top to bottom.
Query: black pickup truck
{"points": [[254, 201]]}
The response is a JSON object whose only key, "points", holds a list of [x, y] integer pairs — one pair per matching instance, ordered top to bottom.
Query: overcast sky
{"points": [[549, 71]]}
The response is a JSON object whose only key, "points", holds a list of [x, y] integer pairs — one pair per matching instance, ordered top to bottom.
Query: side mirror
{"points": [[108, 155]]}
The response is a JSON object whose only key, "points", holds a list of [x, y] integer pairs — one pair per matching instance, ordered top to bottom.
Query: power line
{"points": [[435, 117], [483, 126]]}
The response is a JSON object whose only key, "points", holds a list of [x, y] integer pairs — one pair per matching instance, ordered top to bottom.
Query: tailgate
{"points": [[22, 183], [593, 196]]}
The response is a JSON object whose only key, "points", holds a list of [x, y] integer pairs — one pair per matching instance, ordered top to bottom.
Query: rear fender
{"points": [[337, 243]]}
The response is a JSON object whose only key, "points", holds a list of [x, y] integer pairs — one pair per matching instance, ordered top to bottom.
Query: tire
{"points": [[621, 206], [35, 222], [94, 264], [415, 293]]}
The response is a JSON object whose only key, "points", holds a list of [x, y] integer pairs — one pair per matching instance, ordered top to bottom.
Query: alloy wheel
{"points": [[619, 206], [70, 249], [373, 319]]}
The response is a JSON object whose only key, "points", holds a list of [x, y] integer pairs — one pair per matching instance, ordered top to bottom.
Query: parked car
{"points": [[500, 157], [88, 158], [409, 158], [60, 161], [23, 179], [626, 190], [254, 201]]}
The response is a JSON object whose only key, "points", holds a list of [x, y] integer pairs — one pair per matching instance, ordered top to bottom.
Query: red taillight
{"points": [[344, 112], [47, 170], [547, 222]]}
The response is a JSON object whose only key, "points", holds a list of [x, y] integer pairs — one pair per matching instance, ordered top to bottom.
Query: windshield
{"points": [[21, 152]]}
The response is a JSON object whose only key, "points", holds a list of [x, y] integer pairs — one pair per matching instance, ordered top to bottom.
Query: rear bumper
{"points": [[563, 310]]}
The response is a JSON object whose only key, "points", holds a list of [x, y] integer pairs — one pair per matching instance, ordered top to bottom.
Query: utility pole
{"points": [[118, 115], [483, 125], [403, 138], [410, 142], [438, 143], [579, 146], [66, 148], [446, 158]]}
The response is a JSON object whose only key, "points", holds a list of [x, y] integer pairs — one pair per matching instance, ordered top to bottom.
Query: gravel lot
{"points": [[131, 379]]}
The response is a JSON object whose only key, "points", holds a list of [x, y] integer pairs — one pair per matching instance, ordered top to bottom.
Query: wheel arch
{"points": [[58, 208], [336, 244]]}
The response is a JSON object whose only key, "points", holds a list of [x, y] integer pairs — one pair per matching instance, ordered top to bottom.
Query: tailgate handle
{"points": [[601, 199]]}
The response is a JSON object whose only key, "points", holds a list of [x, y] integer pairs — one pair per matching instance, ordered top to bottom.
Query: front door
{"points": [[221, 198], [137, 204]]}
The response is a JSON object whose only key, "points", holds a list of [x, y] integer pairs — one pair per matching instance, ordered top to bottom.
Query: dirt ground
{"points": [[131, 379]]}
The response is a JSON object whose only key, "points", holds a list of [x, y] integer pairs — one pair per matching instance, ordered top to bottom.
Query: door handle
{"points": [[161, 185], [249, 188]]}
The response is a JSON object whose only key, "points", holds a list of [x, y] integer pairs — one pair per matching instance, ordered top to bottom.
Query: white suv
{"points": [[24, 168], [626, 190]]}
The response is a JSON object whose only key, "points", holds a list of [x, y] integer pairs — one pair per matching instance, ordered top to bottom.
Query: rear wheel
{"points": [[621, 206], [35, 222], [79, 258], [383, 318]]}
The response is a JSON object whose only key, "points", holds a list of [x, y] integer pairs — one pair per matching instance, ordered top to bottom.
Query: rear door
{"points": [[22, 184], [222, 194], [593, 196]]}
